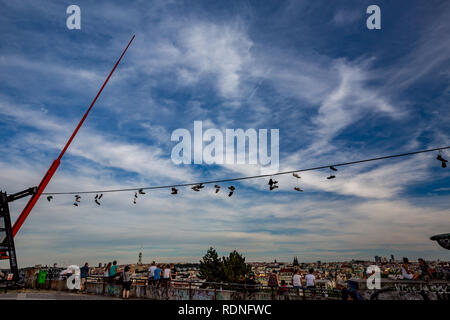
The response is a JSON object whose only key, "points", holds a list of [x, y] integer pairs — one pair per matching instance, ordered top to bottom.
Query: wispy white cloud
{"points": [[347, 17], [184, 67]]}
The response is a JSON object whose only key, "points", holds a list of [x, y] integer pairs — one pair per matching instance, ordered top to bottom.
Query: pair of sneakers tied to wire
{"points": [[442, 159], [332, 176], [272, 184], [231, 188], [297, 188], [140, 191], [77, 200]]}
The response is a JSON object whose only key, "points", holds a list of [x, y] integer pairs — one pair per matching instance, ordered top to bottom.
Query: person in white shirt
{"points": [[405, 271], [151, 273], [166, 275], [310, 279], [297, 281]]}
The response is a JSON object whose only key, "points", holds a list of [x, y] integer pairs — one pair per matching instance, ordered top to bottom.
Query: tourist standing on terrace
{"points": [[113, 270], [173, 271], [84, 273], [106, 273], [151, 274], [166, 275], [157, 276], [310, 279], [297, 281], [272, 282], [126, 285]]}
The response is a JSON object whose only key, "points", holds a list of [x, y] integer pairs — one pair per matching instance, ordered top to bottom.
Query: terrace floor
{"points": [[50, 295]]}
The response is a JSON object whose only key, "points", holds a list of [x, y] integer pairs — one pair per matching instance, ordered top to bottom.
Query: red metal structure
{"points": [[35, 197]]}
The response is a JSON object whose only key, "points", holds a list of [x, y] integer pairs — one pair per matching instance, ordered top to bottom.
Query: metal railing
{"points": [[243, 290]]}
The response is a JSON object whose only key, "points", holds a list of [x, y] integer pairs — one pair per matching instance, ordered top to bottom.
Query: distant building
{"points": [[377, 259], [295, 262]]}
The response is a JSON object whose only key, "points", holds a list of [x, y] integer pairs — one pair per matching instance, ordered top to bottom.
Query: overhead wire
{"points": [[197, 184]]}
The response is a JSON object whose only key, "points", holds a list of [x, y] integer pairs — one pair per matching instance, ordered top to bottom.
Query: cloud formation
{"points": [[335, 91]]}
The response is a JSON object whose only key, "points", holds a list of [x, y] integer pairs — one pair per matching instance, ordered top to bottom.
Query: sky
{"points": [[336, 91]]}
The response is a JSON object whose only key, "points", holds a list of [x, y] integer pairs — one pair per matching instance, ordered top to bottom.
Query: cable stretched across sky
{"points": [[332, 166]]}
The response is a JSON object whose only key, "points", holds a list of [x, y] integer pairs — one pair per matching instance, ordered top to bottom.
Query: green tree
{"points": [[211, 268], [234, 268]]}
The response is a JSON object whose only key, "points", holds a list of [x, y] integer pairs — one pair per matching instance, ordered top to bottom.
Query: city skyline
{"points": [[335, 90]]}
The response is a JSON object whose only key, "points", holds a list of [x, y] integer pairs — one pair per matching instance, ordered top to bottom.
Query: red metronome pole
{"points": [[21, 219]]}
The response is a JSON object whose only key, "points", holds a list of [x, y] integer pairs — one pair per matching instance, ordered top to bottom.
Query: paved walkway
{"points": [[50, 295]]}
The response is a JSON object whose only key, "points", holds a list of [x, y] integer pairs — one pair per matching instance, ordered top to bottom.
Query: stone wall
{"points": [[390, 290]]}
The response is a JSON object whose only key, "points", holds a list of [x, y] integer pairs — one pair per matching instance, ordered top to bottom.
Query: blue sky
{"points": [[335, 90]]}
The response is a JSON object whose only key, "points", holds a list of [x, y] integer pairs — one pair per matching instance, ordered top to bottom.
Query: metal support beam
{"points": [[26, 211], [7, 244]]}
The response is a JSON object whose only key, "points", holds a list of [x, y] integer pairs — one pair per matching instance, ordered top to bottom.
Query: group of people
{"points": [[110, 271], [426, 273], [110, 274], [161, 275], [281, 288]]}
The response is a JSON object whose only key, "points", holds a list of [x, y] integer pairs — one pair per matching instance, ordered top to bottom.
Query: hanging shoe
{"points": [[443, 161], [333, 168], [295, 174], [331, 177], [272, 184], [197, 187], [217, 188], [298, 189], [141, 191], [174, 191], [49, 198], [96, 198]]}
